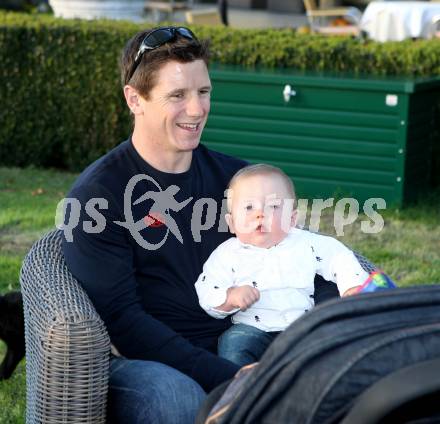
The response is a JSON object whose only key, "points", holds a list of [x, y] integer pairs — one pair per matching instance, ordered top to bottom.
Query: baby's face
{"points": [[261, 210]]}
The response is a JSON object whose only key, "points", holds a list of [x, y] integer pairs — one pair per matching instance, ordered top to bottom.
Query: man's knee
{"points": [[142, 391]]}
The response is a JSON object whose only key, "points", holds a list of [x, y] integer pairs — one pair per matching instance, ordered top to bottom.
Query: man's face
{"points": [[177, 109], [261, 214]]}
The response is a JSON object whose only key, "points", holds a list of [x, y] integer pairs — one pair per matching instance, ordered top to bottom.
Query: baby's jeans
{"points": [[244, 344]]}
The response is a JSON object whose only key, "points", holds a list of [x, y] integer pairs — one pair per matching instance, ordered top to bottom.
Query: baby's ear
{"points": [[294, 218], [230, 223]]}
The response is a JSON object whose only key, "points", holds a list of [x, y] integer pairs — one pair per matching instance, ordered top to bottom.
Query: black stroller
{"points": [[370, 358]]}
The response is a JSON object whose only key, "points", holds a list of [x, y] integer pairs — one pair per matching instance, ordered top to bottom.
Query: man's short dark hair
{"points": [[180, 49]]}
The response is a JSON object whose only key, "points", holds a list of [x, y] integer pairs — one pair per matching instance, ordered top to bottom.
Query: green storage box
{"points": [[361, 137]]}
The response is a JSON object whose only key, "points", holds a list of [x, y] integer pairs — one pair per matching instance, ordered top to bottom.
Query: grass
{"points": [[28, 199], [407, 248]]}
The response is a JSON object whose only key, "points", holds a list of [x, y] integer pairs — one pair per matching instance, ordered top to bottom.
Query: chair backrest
{"points": [[177, 4], [310, 5], [203, 17], [434, 27], [67, 345]]}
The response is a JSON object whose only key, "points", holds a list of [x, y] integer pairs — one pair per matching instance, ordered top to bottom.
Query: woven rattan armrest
{"points": [[67, 345]]}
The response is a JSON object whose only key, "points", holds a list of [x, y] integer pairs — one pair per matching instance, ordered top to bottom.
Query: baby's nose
{"points": [[259, 213]]}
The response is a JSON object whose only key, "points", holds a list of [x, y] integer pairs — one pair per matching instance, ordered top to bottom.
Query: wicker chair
{"points": [[67, 345]]}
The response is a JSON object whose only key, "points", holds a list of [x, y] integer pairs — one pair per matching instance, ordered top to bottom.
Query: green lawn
{"points": [[27, 203], [407, 248]]}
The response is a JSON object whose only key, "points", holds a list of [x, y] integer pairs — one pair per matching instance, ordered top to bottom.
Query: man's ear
{"points": [[132, 97], [294, 218], [230, 223]]}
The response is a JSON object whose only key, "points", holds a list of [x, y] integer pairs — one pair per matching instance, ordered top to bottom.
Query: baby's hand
{"points": [[241, 297]]}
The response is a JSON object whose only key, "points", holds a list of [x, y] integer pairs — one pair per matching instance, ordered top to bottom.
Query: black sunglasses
{"points": [[157, 38]]}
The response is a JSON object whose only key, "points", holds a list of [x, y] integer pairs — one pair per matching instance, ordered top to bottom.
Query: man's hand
{"points": [[351, 291], [239, 297]]}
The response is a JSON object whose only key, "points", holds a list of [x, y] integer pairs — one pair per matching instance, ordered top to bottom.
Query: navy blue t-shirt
{"points": [[141, 280]]}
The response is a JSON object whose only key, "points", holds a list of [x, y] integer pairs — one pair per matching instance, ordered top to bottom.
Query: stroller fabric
{"points": [[314, 372]]}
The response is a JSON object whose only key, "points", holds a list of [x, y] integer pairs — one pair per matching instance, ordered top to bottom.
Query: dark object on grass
{"points": [[11, 332]]}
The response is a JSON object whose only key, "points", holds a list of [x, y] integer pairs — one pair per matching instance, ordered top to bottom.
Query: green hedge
{"points": [[61, 100]]}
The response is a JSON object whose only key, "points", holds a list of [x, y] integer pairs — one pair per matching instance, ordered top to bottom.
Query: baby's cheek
{"points": [[278, 224]]}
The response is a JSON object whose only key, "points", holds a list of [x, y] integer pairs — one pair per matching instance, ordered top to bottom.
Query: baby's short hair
{"points": [[262, 169]]}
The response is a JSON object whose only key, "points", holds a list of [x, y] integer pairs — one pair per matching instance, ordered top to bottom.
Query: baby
{"points": [[265, 275]]}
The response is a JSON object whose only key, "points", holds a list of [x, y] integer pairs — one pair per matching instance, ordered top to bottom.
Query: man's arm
{"points": [[104, 265], [324, 290]]}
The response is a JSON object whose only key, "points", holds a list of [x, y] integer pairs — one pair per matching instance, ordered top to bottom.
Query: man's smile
{"points": [[189, 127]]}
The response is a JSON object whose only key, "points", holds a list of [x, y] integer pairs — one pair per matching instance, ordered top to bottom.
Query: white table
{"points": [[397, 20]]}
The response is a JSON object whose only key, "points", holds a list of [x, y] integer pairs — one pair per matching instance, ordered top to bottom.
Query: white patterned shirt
{"points": [[284, 274]]}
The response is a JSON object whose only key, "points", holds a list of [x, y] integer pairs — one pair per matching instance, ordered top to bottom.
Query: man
{"points": [[143, 234]]}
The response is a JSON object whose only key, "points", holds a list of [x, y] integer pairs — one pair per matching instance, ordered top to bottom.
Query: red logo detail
{"points": [[154, 219]]}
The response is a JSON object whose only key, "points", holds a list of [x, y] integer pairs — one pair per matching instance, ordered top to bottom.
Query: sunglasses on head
{"points": [[157, 38]]}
